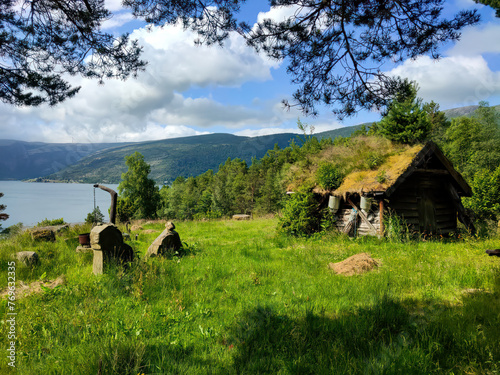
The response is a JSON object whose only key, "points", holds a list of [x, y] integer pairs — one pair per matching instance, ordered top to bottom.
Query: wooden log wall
{"points": [[425, 203]]}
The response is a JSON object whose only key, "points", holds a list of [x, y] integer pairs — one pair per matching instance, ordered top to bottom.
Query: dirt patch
{"points": [[136, 227], [148, 231], [355, 265], [24, 290]]}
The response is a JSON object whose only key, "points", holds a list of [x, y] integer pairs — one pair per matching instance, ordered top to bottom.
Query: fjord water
{"points": [[30, 203]]}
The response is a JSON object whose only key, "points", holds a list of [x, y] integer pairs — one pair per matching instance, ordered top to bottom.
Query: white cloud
{"points": [[113, 5], [118, 19], [478, 40], [452, 81], [125, 109], [265, 131]]}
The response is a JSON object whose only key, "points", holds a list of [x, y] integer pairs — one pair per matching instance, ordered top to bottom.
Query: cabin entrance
{"points": [[427, 211]]}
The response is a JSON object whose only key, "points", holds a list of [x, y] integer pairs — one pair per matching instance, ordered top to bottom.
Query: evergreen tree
{"points": [[41, 41], [406, 121]]}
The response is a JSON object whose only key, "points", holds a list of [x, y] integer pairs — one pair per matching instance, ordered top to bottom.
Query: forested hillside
{"points": [[187, 156], [20, 160]]}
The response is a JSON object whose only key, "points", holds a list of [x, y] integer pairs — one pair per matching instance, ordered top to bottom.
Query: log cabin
{"points": [[419, 185]]}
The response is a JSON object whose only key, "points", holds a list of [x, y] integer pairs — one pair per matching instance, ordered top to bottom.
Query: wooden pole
{"points": [[381, 216]]}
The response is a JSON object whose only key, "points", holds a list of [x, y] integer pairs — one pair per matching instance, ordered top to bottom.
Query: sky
{"points": [[190, 90]]}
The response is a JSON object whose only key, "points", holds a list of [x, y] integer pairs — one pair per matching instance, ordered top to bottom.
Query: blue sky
{"points": [[188, 90]]}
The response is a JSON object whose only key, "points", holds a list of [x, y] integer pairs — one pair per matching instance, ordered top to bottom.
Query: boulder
{"points": [[241, 217], [43, 234], [107, 243], [167, 243], [28, 258]]}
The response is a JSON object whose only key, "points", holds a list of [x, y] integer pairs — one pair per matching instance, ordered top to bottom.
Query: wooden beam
{"points": [[438, 172], [462, 215], [363, 216], [381, 216]]}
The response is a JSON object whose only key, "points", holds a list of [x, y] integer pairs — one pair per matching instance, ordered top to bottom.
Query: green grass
{"points": [[246, 301]]}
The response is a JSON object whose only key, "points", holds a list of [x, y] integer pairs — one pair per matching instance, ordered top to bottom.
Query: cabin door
{"points": [[426, 211]]}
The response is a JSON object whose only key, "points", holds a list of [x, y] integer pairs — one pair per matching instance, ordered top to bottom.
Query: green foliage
{"points": [[406, 121], [439, 122], [474, 143], [329, 176], [138, 193], [485, 200], [3, 216], [96, 216], [299, 216], [46, 222], [396, 229]]}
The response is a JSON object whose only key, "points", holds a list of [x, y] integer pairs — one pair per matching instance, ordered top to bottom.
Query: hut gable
{"points": [[419, 184]]}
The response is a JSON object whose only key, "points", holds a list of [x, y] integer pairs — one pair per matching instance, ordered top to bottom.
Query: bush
{"points": [[329, 176], [300, 215], [46, 222]]}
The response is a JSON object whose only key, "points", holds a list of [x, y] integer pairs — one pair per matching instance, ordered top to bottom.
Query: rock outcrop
{"points": [[168, 243]]}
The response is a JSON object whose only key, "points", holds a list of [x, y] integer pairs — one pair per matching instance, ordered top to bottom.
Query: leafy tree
{"points": [[40, 41], [334, 49], [438, 120], [406, 121], [463, 139], [474, 143], [138, 192], [485, 200], [2, 215]]}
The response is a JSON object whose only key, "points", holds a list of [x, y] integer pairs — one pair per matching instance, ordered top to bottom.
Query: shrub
{"points": [[329, 176], [96, 216], [299, 216], [46, 222]]}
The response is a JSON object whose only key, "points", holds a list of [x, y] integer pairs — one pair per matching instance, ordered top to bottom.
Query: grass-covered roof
{"points": [[369, 164]]}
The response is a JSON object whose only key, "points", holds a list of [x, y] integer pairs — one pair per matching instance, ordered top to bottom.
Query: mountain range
{"points": [[168, 158]]}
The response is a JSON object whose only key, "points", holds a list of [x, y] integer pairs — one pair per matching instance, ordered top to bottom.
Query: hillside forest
{"points": [[472, 144]]}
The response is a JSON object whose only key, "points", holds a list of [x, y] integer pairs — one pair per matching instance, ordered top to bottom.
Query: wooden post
{"points": [[114, 198], [381, 216]]}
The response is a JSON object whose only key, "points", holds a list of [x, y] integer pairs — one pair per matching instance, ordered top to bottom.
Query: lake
{"points": [[30, 203]]}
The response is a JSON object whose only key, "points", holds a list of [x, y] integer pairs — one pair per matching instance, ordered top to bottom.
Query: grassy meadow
{"points": [[245, 300]]}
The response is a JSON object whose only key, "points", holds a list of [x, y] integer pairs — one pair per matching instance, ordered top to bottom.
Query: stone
{"points": [[241, 217], [43, 234], [107, 243], [167, 243], [83, 249], [28, 258]]}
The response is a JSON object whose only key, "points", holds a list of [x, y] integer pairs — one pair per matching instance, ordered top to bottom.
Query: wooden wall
{"points": [[425, 203]]}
